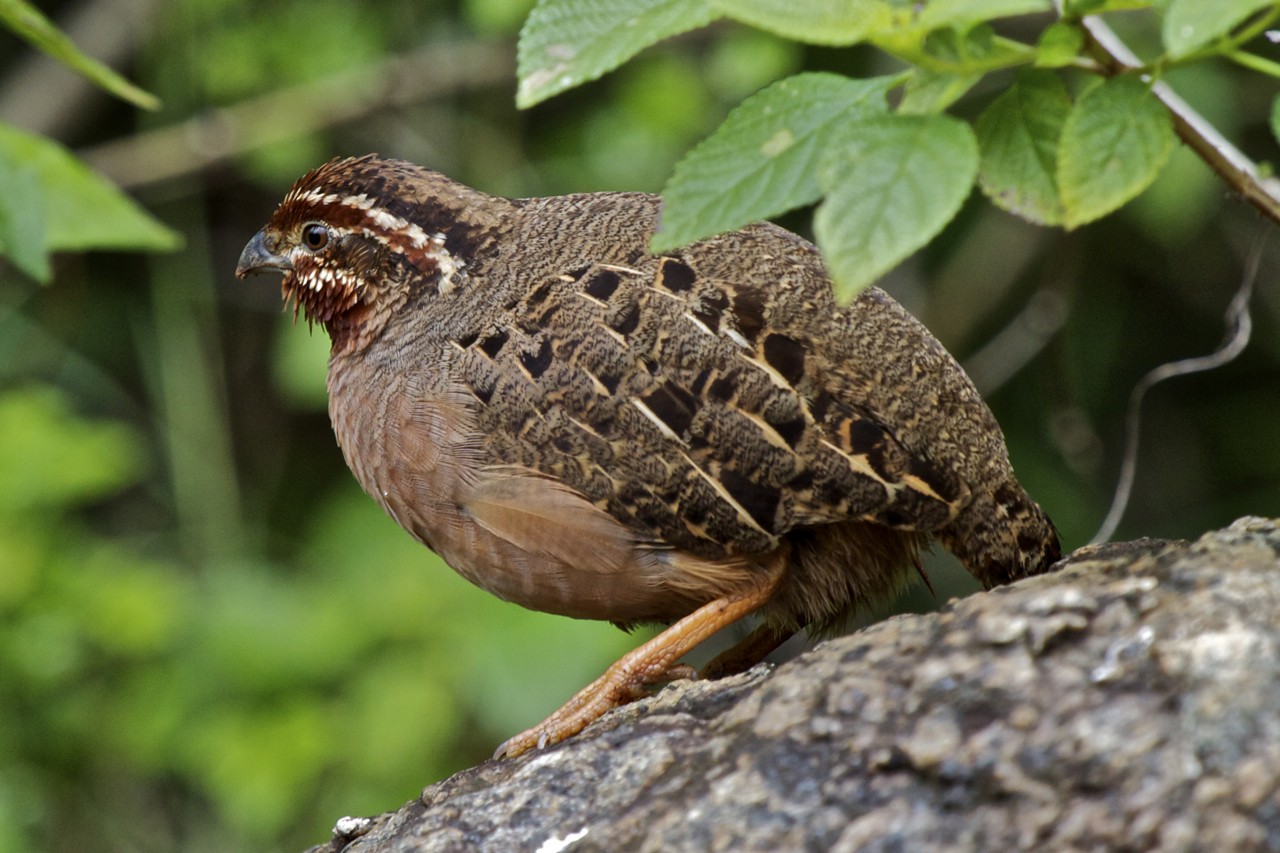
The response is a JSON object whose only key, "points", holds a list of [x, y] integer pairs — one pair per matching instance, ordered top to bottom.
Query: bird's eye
{"points": [[315, 236]]}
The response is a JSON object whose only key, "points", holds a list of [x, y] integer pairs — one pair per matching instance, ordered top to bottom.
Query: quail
{"points": [[584, 427]]}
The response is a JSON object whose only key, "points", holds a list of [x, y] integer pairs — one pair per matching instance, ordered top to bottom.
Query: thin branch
{"points": [[219, 135], [1237, 170], [1239, 323]]}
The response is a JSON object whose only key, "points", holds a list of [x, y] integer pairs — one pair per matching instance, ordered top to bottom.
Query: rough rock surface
{"points": [[1130, 701]]}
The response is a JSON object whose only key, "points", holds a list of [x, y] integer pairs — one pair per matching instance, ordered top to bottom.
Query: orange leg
{"points": [[645, 665]]}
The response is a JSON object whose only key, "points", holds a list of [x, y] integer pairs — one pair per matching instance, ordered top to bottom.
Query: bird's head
{"points": [[356, 237]]}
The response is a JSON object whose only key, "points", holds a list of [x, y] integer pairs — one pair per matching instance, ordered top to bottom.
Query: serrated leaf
{"points": [[829, 22], [28, 23], [1191, 24], [565, 43], [1059, 44], [1018, 136], [1114, 143], [763, 160], [891, 185], [82, 210], [22, 221]]}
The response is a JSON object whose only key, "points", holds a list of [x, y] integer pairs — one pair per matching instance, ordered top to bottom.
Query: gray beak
{"points": [[256, 258]]}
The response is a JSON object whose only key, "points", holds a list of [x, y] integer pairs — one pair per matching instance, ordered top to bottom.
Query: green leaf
{"points": [[1080, 8], [945, 13], [27, 22], [830, 22], [1191, 24], [565, 43], [1059, 44], [976, 50], [950, 63], [933, 91], [1275, 118], [1018, 136], [1114, 143], [763, 160], [892, 184], [82, 210], [22, 221]]}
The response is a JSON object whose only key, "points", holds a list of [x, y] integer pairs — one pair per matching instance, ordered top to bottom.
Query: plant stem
{"points": [[1254, 29], [1255, 62], [1237, 170]]}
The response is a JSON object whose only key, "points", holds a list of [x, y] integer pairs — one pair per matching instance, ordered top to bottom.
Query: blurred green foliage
{"points": [[211, 640]]}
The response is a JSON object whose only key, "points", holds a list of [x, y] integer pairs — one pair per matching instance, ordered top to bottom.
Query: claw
{"points": [[607, 692]]}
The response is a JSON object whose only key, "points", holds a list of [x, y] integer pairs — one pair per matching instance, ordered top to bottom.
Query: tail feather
{"points": [[1003, 536]]}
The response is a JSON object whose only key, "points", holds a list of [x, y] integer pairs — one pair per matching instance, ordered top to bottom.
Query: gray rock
{"points": [[1130, 701]]}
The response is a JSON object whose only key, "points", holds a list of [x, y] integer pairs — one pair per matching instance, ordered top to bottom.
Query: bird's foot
{"points": [[651, 663], [617, 687]]}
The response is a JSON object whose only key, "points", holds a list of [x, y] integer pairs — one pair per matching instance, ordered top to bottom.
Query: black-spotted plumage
{"points": [[738, 412], [584, 427]]}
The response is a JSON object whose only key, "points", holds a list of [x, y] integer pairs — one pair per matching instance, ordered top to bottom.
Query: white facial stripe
{"points": [[384, 220], [391, 230]]}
